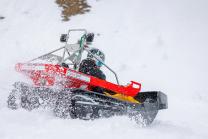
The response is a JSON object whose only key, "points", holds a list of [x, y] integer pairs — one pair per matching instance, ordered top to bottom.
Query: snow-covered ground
{"points": [[162, 44]]}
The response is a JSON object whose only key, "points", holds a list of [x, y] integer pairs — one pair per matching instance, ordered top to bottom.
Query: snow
{"points": [[162, 44]]}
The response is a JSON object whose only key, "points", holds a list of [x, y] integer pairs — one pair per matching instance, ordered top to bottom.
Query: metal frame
{"points": [[77, 54]]}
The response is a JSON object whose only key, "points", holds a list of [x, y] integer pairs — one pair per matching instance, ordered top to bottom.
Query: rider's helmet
{"points": [[100, 56]]}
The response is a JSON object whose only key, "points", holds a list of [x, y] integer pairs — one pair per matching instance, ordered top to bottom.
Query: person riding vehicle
{"points": [[92, 64]]}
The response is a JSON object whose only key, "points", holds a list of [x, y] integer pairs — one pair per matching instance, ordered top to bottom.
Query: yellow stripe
{"points": [[123, 97]]}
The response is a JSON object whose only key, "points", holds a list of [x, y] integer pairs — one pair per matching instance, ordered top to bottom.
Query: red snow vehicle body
{"points": [[46, 74], [70, 92]]}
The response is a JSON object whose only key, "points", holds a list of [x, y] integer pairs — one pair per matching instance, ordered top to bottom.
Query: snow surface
{"points": [[162, 44]]}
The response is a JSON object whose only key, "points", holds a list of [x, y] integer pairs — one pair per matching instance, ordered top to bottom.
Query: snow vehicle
{"points": [[57, 84]]}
